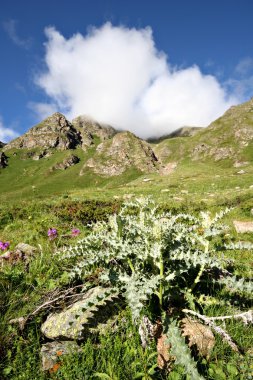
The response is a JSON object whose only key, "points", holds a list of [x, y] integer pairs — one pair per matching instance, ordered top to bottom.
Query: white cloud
{"points": [[10, 28], [117, 76], [6, 134]]}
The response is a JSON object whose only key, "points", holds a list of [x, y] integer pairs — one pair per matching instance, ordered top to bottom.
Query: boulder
{"points": [[81, 318]]}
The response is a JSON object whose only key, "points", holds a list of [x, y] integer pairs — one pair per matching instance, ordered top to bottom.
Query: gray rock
{"points": [[69, 161], [81, 318], [51, 353]]}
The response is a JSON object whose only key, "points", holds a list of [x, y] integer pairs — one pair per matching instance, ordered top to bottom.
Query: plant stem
{"points": [[130, 264], [201, 270], [161, 281]]}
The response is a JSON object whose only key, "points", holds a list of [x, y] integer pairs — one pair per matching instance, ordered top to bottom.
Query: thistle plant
{"points": [[146, 253], [151, 257]]}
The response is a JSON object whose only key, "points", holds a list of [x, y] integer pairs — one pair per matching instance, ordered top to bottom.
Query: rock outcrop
{"points": [[89, 128], [54, 132], [2, 144], [125, 150], [65, 164]]}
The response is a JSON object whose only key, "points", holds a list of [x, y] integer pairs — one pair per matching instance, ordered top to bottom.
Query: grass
{"points": [[33, 198], [119, 354]]}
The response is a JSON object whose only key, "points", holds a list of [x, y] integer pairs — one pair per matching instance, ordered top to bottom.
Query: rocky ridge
{"points": [[123, 151], [111, 153], [114, 153]]}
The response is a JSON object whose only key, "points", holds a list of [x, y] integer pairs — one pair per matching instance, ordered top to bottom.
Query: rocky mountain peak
{"points": [[89, 128], [53, 132]]}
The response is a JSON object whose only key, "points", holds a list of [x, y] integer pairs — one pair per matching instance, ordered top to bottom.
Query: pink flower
{"points": [[75, 232], [52, 233], [4, 246]]}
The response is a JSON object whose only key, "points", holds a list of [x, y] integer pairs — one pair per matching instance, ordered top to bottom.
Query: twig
{"points": [[61, 295], [247, 317], [216, 328]]}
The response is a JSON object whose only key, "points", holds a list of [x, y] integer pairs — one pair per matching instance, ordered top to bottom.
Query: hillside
{"points": [[228, 138], [57, 155]]}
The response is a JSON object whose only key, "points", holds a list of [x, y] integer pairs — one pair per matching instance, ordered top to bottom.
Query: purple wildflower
{"points": [[75, 232], [52, 233], [4, 246]]}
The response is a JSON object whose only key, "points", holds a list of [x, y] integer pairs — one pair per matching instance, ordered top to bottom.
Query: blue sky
{"points": [[148, 66]]}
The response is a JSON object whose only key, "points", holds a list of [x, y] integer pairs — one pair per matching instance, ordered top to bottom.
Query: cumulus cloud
{"points": [[10, 28], [117, 76], [6, 134]]}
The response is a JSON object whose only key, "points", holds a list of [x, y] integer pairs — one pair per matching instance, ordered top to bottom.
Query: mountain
{"points": [[228, 138], [2, 144], [113, 153], [58, 154]]}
